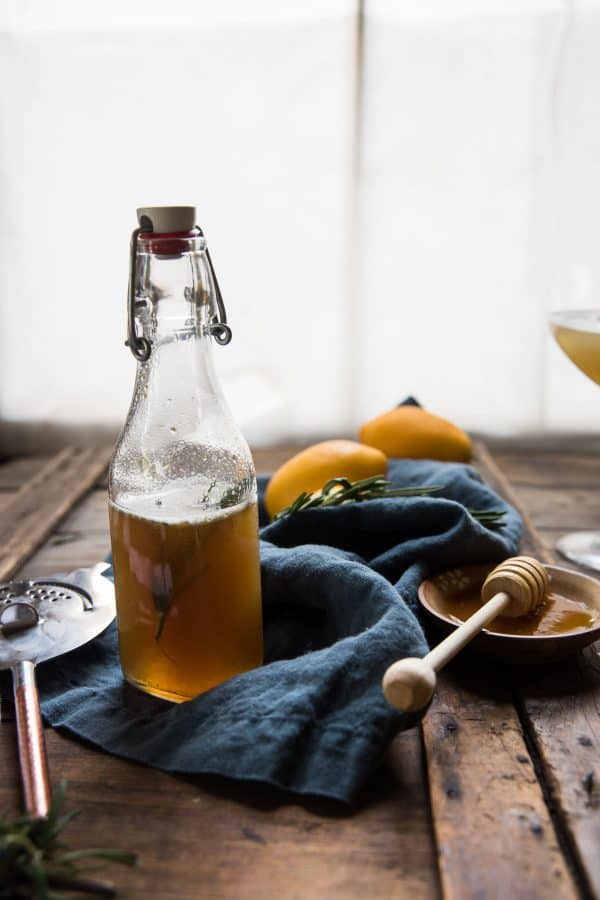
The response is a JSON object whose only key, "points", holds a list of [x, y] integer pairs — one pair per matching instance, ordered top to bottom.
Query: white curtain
{"points": [[480, 185], [394, 198]]}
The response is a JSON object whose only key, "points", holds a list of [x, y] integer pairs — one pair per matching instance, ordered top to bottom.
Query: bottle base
{"points": [[157, 692], [174, 696]]}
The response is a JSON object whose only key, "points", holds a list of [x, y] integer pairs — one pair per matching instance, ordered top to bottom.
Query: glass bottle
{"points": [[182, 488]]}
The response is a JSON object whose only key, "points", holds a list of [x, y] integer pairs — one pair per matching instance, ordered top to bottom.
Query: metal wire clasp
{"points": [[218, 327], [139, 346]]}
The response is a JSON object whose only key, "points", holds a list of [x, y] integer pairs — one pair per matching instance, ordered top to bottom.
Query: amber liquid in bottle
{"points": [[188, 596]]}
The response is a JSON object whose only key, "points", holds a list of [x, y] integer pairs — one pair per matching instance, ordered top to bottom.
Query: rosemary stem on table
{"points": [[35, 864]]}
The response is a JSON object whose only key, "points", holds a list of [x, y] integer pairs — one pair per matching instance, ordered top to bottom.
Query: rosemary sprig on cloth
{"points": [[338, 491], [36, 865]]}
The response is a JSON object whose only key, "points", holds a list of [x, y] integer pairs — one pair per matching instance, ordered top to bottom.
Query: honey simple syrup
{"points": [[181, 483], [188, 597]]}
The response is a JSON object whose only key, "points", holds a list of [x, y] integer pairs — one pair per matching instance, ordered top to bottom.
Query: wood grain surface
{"points": [[43, 500], [559, 705], [497, 797], [486, 800], [494, 831], [208, 839]]}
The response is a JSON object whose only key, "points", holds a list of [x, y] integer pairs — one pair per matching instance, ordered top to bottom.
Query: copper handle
{"points": [[30, 734]]}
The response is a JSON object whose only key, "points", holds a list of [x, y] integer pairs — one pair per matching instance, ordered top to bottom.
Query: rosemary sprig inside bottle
{"points": [[338, 491], [34, 863]]}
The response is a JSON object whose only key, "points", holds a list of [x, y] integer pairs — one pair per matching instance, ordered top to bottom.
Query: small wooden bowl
{"points": [[514, 648]]}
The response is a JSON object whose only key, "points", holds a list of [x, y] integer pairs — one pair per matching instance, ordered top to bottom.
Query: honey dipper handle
{"points": [[454, 643], [409, 684]]}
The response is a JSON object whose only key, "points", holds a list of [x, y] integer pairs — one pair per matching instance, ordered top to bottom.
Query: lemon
{"points": [[410, 431], [312, 468]]}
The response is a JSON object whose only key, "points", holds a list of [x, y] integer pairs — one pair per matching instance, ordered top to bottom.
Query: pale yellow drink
{"points": [[581, 346]]}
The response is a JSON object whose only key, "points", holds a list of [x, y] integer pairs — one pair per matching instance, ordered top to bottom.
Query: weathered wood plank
{"points": [[539, 444], [556, 470], [13, 472], [495, 477], [5, 499], [42, 501], [552, 507], [88, 516], [549, 537], [65, 551], [560, 710], [487, 803], [494, 833], [215, 841]]}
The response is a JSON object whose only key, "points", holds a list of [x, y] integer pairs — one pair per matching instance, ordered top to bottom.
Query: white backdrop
{"points": [[480, 192], [400, 226]]}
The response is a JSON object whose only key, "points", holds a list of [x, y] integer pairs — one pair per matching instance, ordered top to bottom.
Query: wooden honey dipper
{"points": [[514, 588]]}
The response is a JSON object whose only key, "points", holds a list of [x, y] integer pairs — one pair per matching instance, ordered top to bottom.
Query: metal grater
{"points": [[45, 617], [41, 619]]}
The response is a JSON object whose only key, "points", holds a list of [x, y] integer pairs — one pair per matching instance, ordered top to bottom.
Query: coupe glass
{"points": [[577, 332]]}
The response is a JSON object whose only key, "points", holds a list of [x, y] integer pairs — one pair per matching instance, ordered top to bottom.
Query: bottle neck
{"points": [[173, 292], [174, 307], [178, 429]]}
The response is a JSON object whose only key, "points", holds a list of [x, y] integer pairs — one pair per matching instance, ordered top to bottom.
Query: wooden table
{"points": [[496, 796]]}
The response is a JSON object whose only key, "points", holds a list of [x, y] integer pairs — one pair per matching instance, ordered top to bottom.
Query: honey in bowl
{"points": [[556, 615]]}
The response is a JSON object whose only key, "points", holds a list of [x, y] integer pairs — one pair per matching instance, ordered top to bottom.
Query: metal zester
{"points": [[41, 619]]}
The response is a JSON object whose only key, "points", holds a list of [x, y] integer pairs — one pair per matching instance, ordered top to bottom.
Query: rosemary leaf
{"points": [[339, 491], [35, 864]]}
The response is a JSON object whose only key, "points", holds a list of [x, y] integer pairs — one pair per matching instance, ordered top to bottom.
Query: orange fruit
{"points": [[410, 431], [312, 468]]}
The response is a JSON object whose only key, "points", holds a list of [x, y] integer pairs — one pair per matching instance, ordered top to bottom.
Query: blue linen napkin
{"points": [[339, 602]]}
